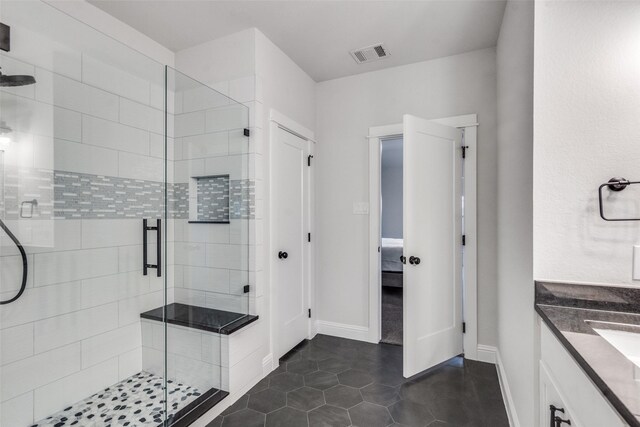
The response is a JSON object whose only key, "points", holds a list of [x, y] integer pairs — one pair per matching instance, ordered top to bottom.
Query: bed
{"points": [[391, 251]]}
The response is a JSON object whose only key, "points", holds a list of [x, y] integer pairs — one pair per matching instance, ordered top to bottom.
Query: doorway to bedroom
{"points": [[391, 206], [436, 250]]}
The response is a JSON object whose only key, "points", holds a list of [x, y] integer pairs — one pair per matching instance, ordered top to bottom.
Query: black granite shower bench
{"points": [[205, 319], [197, 366]]}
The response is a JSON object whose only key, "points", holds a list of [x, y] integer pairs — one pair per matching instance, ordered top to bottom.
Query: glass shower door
{"points": [[82, 164], [211, 199], [117, 321]]}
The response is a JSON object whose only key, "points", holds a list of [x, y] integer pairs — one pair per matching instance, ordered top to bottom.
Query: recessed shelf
{"points": [[211, 202]]}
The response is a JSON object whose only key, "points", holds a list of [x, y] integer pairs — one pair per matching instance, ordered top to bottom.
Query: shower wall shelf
{"points": [[616, 185]]}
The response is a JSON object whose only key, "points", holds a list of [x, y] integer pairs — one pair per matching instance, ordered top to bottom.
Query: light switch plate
{"points": [[360, 208], [636, 262]]}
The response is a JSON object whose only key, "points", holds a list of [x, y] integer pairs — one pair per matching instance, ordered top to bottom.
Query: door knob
{"points": [[282, 255], [414, 260], [560, 421]]}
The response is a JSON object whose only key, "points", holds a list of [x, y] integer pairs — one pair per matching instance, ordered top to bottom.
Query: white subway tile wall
{"points": [[88, 144], [81, 146], [214, 258], [194, 357]]}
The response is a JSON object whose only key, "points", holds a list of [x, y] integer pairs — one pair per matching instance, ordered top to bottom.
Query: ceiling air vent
{"points": [[369, 53]]}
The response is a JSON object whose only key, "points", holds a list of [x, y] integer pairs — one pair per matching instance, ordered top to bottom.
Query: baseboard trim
{"points": [[341, 330], [486, 353], [267, 364], [506, 392]]}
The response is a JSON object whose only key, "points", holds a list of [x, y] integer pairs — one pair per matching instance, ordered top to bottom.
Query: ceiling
{"points": [[318, 35]]}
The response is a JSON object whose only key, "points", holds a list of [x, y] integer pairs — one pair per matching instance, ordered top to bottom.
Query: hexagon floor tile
{"points": [[355, 378], [321, 380], [286, 381], [330, 381], [343, 396], [305, 398], [267, 401], [370, 415]]}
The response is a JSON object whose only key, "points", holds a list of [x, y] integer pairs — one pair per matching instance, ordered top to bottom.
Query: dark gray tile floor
{"points": [[391, 315], [332, 381]]}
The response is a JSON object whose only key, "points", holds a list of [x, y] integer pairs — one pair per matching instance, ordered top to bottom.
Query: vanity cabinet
{"points": [[564, 385]]}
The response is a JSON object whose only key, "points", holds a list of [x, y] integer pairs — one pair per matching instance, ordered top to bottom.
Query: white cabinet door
{"points": [[290, 199], [432, 244], [563, 381], [550, 396]]}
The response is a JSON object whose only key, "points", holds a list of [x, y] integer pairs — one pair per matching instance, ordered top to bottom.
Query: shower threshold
{"points": [[137, 401]]}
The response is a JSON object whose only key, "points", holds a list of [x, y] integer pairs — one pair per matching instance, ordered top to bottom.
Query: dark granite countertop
{"points": [[571, 311], [206, 319]]}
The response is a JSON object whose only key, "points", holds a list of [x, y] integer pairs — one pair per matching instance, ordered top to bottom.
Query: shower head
{"points": [[17, 80]]}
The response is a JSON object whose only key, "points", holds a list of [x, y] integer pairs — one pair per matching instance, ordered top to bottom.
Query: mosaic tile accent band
{"points": [[71, 195], [212, 198], [242, 199], [134, 401]]}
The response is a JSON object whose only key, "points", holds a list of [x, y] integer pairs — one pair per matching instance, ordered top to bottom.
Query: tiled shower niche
{"points": [[212, 199]]}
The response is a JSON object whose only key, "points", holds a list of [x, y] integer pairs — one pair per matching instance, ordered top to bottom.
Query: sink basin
{"points": [[625, 338]]}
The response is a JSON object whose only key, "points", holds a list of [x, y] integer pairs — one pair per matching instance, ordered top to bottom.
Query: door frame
{"points": [[278, 121], [469, 124]]}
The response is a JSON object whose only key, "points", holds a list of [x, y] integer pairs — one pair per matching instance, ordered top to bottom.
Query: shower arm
{"points": [[24, 264]]}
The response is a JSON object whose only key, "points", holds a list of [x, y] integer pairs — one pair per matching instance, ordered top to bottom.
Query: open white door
{"points": [[289, 184], [432, 244]]}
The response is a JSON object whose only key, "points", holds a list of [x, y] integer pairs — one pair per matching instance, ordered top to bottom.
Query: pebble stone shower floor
{"points": [[331, 381], [134, 401]]}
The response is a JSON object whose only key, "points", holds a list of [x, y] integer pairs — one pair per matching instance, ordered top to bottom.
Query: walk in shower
{"points": [[127, 185]]}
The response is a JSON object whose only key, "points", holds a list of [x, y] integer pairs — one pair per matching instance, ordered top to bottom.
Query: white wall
{"points": [[112, 27], [220, 60], [287, 89], [347, 107], [586, 107], [391, 189], [515, 210]]}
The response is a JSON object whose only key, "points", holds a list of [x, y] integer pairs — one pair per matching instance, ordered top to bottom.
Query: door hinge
{"points": [[247, 132], [464, 151], [309, 157], [309, 237], [464, 240], [246, 289], [309, 313], [464, 327]]}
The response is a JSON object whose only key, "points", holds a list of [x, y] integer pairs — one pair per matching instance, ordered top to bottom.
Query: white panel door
{"points": [[289, 184], [432, 244]]}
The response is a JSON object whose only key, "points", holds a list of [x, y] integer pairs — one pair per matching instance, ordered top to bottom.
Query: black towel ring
{"points": [[614, 184]]}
